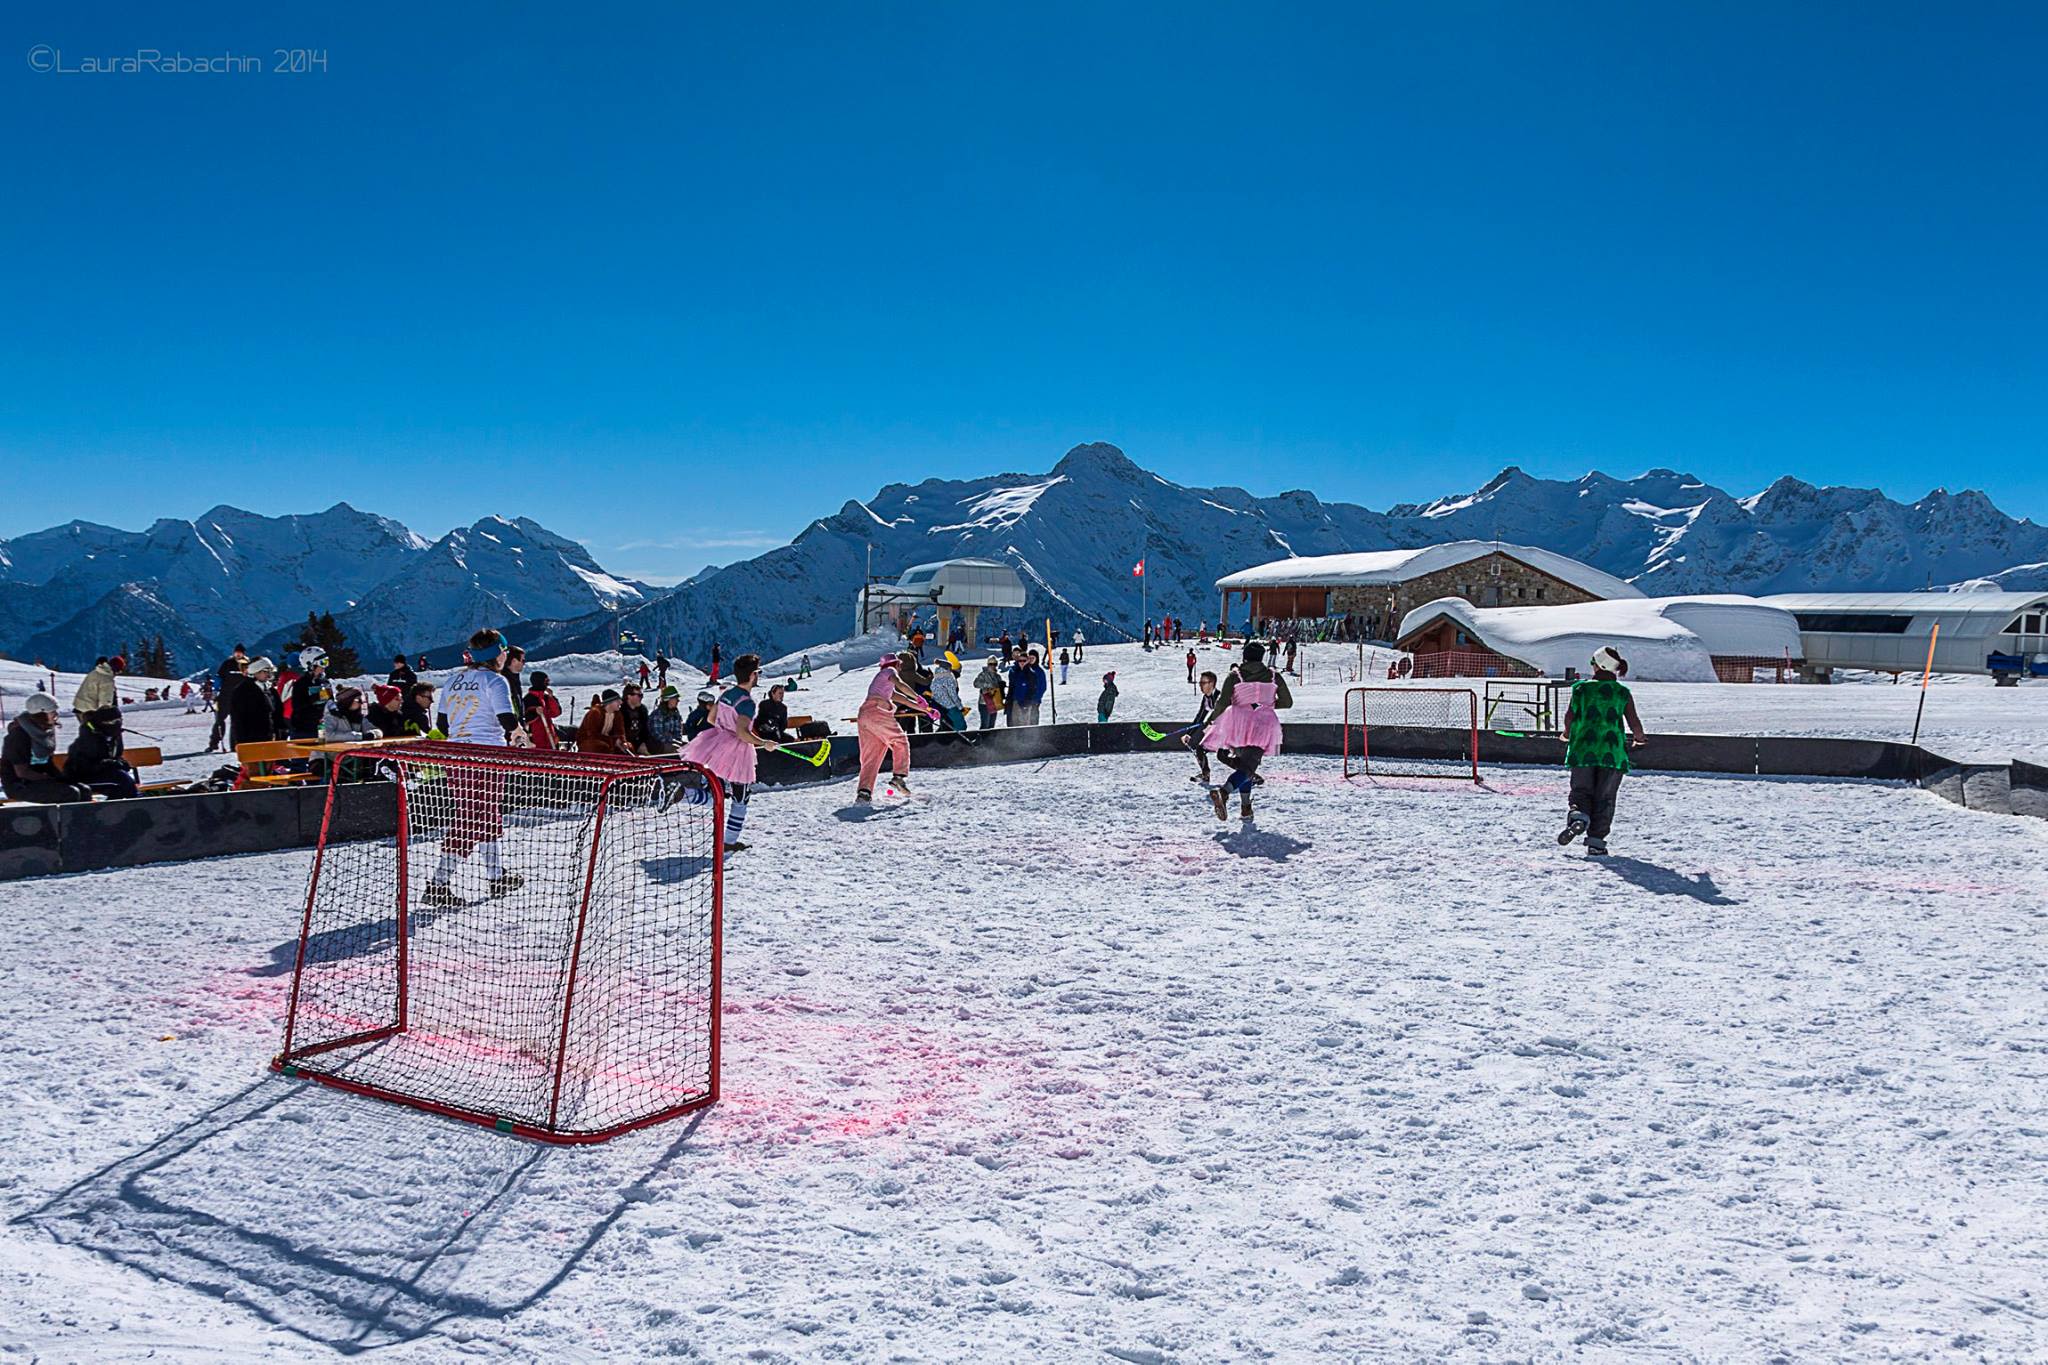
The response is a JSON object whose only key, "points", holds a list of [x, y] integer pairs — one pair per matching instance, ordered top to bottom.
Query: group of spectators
{"points": [[257, 701], [619, 721], [95, 763]]}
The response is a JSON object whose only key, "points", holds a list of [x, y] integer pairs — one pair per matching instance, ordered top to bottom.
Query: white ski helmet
{"points": [[312, 657], [39, 703]]}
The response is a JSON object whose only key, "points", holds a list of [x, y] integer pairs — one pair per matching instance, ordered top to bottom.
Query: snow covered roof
{"points": [[1368, 568], [1935, 604], [1664, 639]]}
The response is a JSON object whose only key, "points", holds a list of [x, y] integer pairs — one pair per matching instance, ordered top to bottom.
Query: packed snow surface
{"points": [[1048, 1064]]}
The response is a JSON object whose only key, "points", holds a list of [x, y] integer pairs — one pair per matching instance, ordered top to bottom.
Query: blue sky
{"points": [[676, 279]]}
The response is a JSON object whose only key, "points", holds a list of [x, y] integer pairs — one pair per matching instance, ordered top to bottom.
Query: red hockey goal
{"points": [[1411, 732], [536, 950]]}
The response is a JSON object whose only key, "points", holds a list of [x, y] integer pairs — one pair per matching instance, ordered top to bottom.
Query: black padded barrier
{"points": [[41, 840]]}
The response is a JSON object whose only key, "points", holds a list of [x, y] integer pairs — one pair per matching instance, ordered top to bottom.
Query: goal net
{"points": [[1532, 707], [1411, 732], [537, 949]]}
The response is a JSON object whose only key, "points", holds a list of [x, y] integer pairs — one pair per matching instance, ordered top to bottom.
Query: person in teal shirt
{"points": [[1600, 726]]}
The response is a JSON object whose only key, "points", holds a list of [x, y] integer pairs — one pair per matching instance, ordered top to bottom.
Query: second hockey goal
{"points": [[1411, 732]]}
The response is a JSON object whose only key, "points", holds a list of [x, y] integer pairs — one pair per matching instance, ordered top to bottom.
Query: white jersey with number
{"points": [[473, 701]]}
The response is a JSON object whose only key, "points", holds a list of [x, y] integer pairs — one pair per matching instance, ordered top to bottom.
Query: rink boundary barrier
{"points": [[44, 840]]}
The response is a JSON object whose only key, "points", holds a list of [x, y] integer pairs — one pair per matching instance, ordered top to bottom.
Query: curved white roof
{"points": [[1368, 568], [963, 583], [1942, 604], [1664, 639]]}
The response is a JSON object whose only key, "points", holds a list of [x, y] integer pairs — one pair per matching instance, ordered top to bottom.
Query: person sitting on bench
{"points": [[28, 756], [95, 760]]}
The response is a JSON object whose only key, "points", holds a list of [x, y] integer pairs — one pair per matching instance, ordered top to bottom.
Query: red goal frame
{"points": [[1457, 704], [505, 765]]}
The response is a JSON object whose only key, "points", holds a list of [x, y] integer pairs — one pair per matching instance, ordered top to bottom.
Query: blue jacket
{"points": [[1027, 685]]}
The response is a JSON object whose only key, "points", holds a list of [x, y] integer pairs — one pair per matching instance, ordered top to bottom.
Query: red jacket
{"points": [[541, 709]]}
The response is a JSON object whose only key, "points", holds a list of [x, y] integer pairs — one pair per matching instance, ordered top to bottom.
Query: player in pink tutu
{"points": [[1245, 726], [881, 733], [728, 747]]}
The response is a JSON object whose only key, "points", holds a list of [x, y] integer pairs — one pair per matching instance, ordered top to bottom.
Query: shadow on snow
{"points": [[352, 1223]]}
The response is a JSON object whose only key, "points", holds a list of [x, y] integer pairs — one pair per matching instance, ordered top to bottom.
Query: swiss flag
{"points": [[1138, 569]]}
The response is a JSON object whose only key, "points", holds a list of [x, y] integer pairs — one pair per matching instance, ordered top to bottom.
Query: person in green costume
{"points": [[1600, 726]]}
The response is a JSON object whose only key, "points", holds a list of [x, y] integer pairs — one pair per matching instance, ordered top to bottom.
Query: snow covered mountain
{"points": [[1075, 532], [1669, 533], [492, 573], [79, 590]]}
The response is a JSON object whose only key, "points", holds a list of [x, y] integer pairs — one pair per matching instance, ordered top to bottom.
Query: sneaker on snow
{"points": [[864, 796], [1216, 799], [1573, 827], [736, 847], [1596, 847], [505, 883], [438, 893]]}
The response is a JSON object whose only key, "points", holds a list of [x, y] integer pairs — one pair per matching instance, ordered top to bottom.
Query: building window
{"points": [[1541, 592], [1852, 623]]}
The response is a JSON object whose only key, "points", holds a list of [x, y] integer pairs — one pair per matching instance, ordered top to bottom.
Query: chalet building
{"points": [[1367, 594]]}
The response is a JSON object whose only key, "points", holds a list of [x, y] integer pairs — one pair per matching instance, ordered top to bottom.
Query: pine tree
{"points": [[341, 659]]}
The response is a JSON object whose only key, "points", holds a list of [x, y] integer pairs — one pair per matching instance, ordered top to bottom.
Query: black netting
{"points": [[440, 967]]}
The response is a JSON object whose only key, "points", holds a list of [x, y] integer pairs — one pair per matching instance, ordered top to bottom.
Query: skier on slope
{"points": [[477, 708], [1247, 726], [880, 733], [728, 748], [1596, 749]]}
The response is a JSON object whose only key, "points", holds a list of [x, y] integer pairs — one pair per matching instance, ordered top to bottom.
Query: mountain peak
{"points": [[1097, 457]]}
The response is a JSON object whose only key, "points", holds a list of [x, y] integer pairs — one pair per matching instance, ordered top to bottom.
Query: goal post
{"points": [[1528, 706], [1411, 732], [537, 948]]}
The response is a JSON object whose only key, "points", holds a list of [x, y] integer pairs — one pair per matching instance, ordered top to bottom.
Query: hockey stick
{"points": [[1145, 729], [816, 760]]}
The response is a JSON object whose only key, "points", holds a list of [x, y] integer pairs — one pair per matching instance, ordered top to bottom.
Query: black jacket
{"points": [[402, 676], [309, 705], [415, 716], [252, 718], [771, 719], [389, 723], [95, 754]]}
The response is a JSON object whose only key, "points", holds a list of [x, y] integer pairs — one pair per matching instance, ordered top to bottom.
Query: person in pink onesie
{"points": [[1246, 726], [880, 733]]}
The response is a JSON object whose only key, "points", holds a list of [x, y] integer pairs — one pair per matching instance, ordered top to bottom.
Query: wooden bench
{"points": [[138, 757], [258, 762]]}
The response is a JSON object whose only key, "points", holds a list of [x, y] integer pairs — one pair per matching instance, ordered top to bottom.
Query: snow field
{"points": [[1048, 1063]]}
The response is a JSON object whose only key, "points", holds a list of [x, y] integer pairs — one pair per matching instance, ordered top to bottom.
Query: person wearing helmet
{"points": [[312, 693], [477, 708], [700, 715], [1596, 748], [96, 759], [28, 767]]}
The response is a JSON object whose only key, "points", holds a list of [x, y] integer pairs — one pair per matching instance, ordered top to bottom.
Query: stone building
{"points": [[1368, 593]]}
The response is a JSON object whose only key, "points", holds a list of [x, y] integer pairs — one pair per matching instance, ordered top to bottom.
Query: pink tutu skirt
{"points": [[1248, 722], [721, 750]]}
